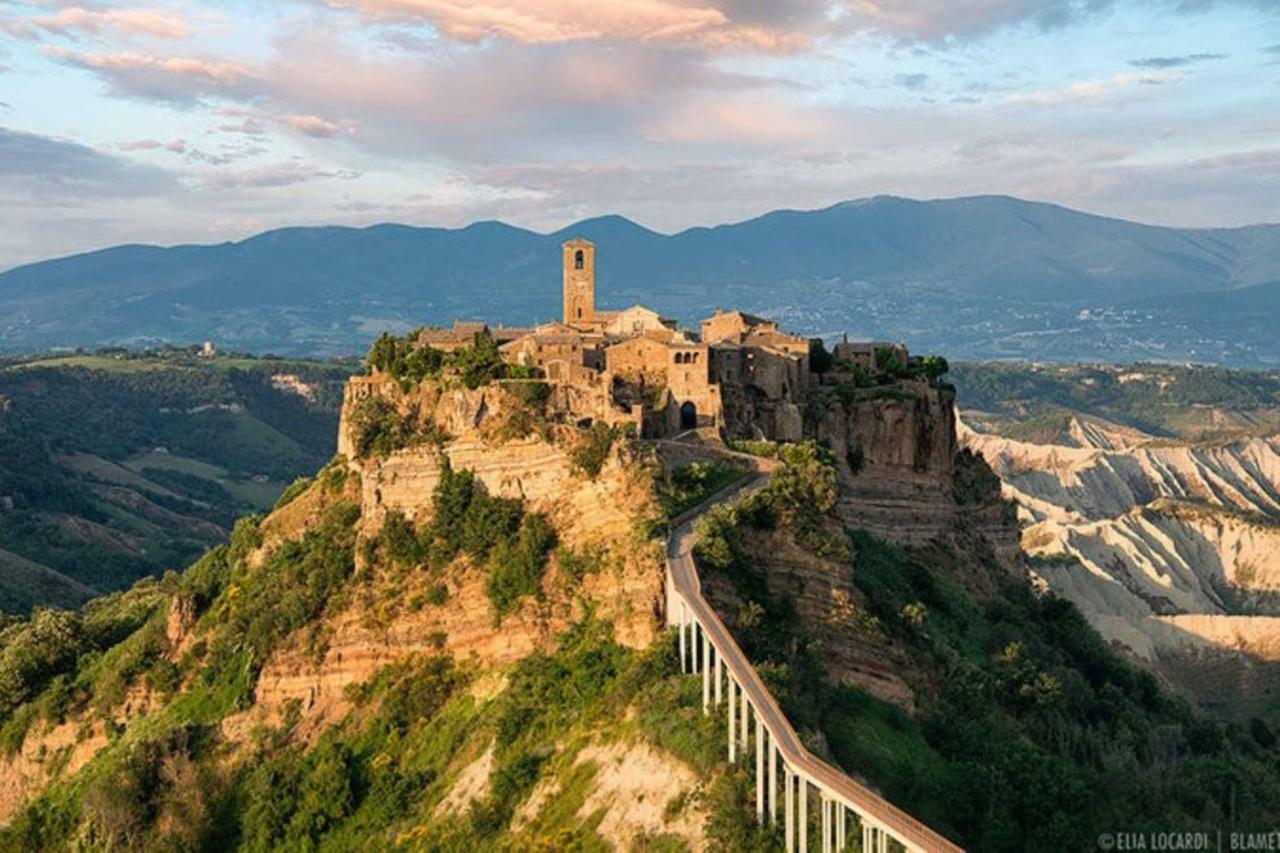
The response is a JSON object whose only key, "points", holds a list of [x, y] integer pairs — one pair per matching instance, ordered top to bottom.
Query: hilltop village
{"points": [[738, 373]]}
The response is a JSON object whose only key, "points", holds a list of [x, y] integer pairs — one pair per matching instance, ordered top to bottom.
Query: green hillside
{"points": [[1190, 402], [117, 465], [1027, 731]]}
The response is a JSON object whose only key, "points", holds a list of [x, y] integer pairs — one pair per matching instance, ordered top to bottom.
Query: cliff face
{"points": [[899, 463], [1086, 483], [598, 515], [1166, 548], [390, 614]]}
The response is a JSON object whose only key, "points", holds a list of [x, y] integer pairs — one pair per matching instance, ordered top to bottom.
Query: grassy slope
{"points": [[70, 425], [27, 584], [169, 778]]}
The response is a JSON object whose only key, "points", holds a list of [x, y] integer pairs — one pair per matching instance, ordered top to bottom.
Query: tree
{"points": [[820, 359], [480, 363], [933, 367], [518, 563]]}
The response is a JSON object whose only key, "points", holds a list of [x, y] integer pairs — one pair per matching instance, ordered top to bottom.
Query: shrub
{"points": [[402, 358], [820, 358], [889, 363], [932, 367], [533, 395], [378, 428], [763, 449], [592, 450], [806, 483], [690, 485], [293, 490], [399, 540], [518, 563], [577, 565], [295, 584], [34, 652]]}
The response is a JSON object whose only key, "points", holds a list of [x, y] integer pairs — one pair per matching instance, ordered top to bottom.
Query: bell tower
{"points": [[579, 281]]}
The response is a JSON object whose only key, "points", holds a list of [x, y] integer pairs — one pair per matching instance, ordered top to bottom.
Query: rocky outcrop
{"points": [[895, 449], [902, 477], [1088, 484], [1168, 549], [828, 605], [387, 619]]}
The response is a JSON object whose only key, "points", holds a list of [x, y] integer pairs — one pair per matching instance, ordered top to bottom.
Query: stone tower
{"points": [[579, 281]]}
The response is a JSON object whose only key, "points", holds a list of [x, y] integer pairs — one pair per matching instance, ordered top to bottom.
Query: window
{"points": [[579, 259]]}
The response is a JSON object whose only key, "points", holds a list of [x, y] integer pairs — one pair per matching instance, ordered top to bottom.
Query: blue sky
{"points": [[164, 122]]}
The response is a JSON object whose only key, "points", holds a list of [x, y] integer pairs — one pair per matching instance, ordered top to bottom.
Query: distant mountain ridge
{"points": [[878, 267]]}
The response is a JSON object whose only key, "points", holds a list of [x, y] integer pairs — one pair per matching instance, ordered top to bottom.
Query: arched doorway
{"points": [[688, 415]]}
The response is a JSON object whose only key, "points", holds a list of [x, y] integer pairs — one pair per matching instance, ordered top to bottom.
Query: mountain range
{"points": [[979, 277]]}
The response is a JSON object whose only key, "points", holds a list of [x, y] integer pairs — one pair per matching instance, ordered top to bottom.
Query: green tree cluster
{"points": [[402, 358], [491, 531]]}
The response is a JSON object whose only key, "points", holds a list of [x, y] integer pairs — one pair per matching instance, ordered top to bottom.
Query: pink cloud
{"points": [[132, 21], [553, 21], [163, 78], [503, 97], [756, 122], [255, 123], [310, 125], [177, 146], [275, 176]]}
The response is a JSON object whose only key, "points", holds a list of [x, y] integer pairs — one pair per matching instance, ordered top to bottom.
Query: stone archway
{"points": [[688, 415]]}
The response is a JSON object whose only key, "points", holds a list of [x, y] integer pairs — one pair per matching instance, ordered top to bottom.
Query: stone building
{"points": [[637, 320], [733, 325], [463, 334], [558, 350], [865, 355], [636, 366], [676, 371]]}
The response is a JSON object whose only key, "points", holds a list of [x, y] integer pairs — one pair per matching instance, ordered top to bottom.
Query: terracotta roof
{"points": [[748, 319]]}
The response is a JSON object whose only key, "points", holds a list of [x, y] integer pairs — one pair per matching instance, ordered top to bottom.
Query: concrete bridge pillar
{"points": [[684, 658], [706, 673], [733, 709], [760, 779], [773, 780], [788, 810], [803, 812], [825, 812]]}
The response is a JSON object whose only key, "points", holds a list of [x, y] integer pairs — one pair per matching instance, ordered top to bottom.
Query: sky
{"points": [[170, 122]]}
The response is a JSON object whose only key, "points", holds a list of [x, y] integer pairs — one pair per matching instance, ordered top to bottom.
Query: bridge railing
{"points": [[784, 769]]}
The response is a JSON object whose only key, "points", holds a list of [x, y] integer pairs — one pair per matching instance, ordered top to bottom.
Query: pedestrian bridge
{"points": [[786, 773]]}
